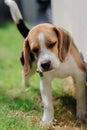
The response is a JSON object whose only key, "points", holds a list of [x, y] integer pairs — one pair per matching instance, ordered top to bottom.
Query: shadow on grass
{"points": [[69, 102], [19, 103], [30, 103], [62, 103], [65, 107]]}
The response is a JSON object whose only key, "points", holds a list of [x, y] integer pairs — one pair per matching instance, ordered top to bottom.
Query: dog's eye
{"points": [[51, 45], [35, 50]]}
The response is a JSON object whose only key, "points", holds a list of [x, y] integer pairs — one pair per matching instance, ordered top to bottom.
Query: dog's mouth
{"points": [[50, 69]]}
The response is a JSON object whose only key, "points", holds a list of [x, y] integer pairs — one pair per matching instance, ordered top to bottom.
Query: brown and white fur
{"points": [[51, 50]]}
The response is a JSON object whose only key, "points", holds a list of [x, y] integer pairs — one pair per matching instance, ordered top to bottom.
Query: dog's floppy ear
{"points": [[64, 43], [25, 58]]}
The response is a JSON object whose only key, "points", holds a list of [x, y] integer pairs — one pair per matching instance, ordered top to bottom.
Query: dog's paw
{"points": [[46, 124]]}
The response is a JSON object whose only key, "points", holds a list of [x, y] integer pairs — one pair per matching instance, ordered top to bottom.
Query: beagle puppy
{"points": [[51, 51]]}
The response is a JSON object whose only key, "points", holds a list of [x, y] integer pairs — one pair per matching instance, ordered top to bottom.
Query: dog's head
{"points": [[47, 45]]}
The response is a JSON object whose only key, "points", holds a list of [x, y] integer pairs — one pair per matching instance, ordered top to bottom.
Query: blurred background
{"points": [[34, 11], [69, 14]]}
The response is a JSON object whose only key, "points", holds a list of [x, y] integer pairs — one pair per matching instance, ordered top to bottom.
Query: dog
{"points": [[52, 52]]}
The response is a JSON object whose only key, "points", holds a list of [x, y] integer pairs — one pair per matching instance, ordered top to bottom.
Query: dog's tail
{"points": [[17, 17]]}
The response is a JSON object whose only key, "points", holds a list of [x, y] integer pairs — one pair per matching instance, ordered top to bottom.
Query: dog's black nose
{"points": [[46, 65]]}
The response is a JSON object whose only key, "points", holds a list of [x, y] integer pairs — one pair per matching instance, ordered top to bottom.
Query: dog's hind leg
{"points": [[80, 81]]}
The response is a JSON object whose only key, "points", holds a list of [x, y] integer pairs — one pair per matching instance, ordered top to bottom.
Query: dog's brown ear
{"points": [[64, 42], [25, 58]]}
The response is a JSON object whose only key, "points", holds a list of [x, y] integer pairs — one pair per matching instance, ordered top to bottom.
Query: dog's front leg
{"points": [[25, 78], [45, 88]]}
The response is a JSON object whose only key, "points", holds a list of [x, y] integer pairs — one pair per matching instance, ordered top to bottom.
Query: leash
{"points": [[40, 72]]}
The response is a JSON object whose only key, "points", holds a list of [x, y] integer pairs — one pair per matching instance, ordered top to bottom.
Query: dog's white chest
{"points": [[68, 68]]}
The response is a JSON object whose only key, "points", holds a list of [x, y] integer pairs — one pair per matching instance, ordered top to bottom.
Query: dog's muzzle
{"points": [[46, 65]]}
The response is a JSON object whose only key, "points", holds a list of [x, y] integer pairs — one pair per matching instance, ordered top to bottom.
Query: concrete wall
{"points": [[72, 15]]}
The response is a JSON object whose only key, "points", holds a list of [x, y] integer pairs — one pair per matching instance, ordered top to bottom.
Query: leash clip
{"points": [[40, 72]]}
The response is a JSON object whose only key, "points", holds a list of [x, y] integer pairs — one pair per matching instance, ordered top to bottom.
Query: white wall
{"points": [[72, 15]]}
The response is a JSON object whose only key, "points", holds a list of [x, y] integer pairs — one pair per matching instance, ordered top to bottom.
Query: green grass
{"points": [[21, 108]]}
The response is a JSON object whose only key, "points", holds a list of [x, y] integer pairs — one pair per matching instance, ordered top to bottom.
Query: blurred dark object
{"points": [[44, 3], [44, 10], [4, 11], [33, 11], [4, 14]]}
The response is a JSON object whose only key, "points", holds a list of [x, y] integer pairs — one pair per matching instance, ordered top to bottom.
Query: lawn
{"points": [[20, 107]]}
